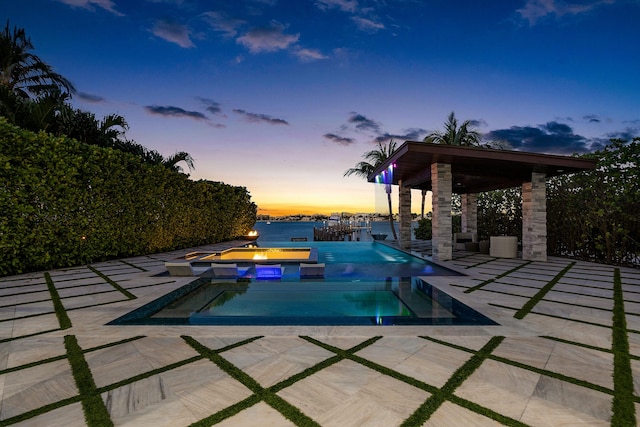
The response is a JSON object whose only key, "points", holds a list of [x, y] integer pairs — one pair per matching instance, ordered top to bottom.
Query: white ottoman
{"points": [[503, 246]]}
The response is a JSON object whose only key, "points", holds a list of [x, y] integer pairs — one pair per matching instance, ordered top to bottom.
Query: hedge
{"points": [[67, 203]]}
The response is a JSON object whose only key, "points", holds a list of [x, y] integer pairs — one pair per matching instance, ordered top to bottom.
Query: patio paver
{"points": [[553, 367]]}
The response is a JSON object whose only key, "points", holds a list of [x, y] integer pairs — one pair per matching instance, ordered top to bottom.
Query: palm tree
{"points": [[24, 73], [454, 135], [464, 135], [373, 159], [171, 162]]}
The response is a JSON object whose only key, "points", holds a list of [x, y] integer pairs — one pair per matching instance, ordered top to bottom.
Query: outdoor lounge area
{"points": [[447, 169], [549, 362]]}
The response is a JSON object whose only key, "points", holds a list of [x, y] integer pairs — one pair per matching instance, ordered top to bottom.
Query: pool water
{"points": [[360, 260], [365, 283], [394, 301]]}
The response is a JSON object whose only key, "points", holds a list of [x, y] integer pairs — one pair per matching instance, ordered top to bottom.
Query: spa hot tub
{"points": [[262, 255]]}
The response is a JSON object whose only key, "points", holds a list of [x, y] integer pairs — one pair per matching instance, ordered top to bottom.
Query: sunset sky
{"points": [[283, 96]]}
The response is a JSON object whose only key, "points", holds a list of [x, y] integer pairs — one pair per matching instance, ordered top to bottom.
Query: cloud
{"points": [[174, 2], [107, 5], [343, 5], [534, 10], [361, 16], [220, 22], [367, 25], [173, 32], [267, 39], [308, 55], [87, 97], [210, 105], [171, 111], [260, 118], [592, 118], [363, 123], [477, 123], [412, 134], [628, 134], [552, 137], [340, 140]]}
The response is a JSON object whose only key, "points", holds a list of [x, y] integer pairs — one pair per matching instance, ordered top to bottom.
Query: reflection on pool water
{"points": [[365, 283]]}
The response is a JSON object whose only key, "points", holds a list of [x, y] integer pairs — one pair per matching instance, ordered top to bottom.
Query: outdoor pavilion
{"points": [[446, 169]]}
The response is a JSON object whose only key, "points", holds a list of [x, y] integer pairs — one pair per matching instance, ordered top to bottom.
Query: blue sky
{"points": [[282, 96]]}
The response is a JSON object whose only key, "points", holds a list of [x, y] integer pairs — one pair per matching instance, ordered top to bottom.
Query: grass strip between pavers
{"points": [[486, 282], [112, 283], [528, 306], [61, 313], [350, 354], [62, 356], [79, 366], [541, 371], [431, 389], [259, 393], [429, 407], [623, 407], [95, 411]]}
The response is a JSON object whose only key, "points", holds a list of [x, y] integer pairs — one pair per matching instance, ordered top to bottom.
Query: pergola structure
{"points": [[447, 169]]}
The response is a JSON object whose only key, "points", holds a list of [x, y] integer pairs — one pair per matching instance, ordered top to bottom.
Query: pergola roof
{"points": [[474, 169]]}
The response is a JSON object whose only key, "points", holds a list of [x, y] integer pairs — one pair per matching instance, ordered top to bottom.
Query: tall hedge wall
{"points": [[65, 203], [596, 215]]}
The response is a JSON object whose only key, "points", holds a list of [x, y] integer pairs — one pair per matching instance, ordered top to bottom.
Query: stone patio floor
{"points": [[552, 366]]}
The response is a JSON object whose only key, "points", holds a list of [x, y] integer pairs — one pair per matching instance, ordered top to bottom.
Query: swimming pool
{"points": [[361, 260], [365, 283], [395, 301]]}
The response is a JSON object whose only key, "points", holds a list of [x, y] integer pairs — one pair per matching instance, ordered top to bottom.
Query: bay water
{"points": [[284, 231]]}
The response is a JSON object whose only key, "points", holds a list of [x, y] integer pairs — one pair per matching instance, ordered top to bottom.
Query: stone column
{"points": [[441, 181], [470, 213], [404, 215], [534, 218]]}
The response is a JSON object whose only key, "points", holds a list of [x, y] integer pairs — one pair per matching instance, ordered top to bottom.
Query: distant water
{"points": [[283, 231]]}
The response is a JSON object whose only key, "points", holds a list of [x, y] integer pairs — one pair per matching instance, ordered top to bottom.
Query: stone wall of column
{"points": [[441, 182], [470, 213], [404, 215], [534, 218]]}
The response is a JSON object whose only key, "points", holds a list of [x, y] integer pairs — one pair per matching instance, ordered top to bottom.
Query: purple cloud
{"points": [[90, 5], [343, 5], [535, 10], [222, 23], [367, 25], [173, 32], [267, 39], [87, 97], [210, 105], [172, 111], [260, 118], [363, 123], [552, 137], [340, 140]]}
